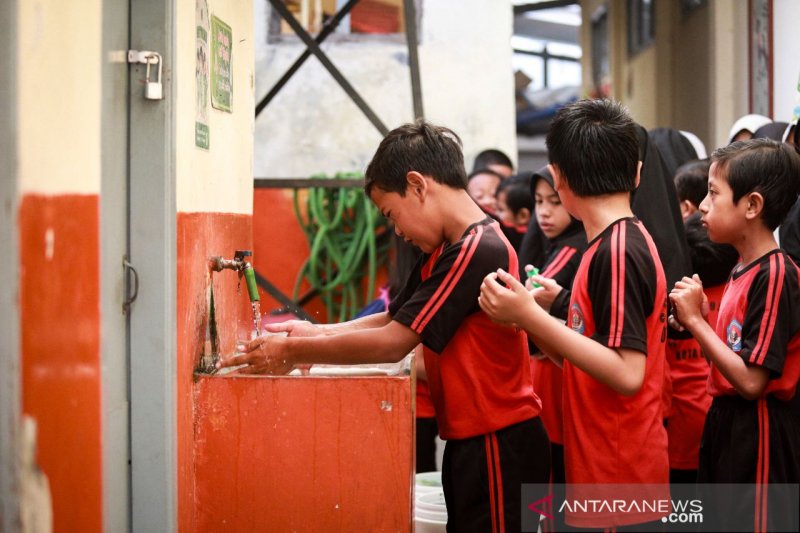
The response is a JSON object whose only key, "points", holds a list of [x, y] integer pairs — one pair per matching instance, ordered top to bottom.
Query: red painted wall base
{"points": [[303, 454]]}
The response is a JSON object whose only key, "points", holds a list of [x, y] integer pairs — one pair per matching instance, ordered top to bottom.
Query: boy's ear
{"points": [[638, 174], [558, 180], [417, 184], [755, 205], [687, 209]]}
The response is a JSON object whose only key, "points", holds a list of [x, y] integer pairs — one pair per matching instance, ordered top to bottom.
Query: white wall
{"points": [[786, 65], [59, 67], [312, 126], [218, 179]]}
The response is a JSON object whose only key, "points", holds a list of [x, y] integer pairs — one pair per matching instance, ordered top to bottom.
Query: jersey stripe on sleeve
{"points": [[561, 259], [450, 281], [617, 285], [771, 311]]}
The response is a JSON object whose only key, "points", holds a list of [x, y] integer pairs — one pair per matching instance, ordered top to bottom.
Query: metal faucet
{"points": [[217, 263], [238, 263]]}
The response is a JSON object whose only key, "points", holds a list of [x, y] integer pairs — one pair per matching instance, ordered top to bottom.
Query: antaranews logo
{"points": [[545, 503], [647, 505], [663, 507], [685, 512]]}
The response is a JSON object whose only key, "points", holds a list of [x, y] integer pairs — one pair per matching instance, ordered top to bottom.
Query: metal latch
{"points": [[153, 90], [127, 269]]}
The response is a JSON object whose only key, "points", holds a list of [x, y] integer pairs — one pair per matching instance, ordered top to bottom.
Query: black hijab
{"points": [[773, 130], [675, 149], [655, 203]]}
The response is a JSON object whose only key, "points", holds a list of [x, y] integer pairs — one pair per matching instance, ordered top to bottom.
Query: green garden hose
{"points": [[344, 233]]}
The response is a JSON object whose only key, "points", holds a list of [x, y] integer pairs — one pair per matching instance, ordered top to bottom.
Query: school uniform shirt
{"points": [[563, 259], [619, 299], [759, 319], [688, 369], [478, 371], [424, 404], [756, 441]]}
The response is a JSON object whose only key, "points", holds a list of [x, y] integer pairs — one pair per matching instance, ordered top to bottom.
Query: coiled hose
{"points": [[348, 240]]}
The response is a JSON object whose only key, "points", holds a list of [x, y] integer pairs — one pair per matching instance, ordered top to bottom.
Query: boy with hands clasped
{"points": [[613, 347], [751, 435]]}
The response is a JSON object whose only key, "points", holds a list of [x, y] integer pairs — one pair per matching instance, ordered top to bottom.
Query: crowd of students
{"points": [[659, 341]]}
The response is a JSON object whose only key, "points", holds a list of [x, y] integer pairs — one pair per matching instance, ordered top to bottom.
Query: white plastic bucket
{"points": [[428, 482], [430, 513]]}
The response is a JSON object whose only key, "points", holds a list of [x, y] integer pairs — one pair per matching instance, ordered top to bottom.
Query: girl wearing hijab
{"points": [[744, 128], [773, 130], [676, 148]]}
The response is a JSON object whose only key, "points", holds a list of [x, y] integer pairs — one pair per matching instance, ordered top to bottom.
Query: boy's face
{"points": [[482, 189], [407, 215], [551, 215], [723, 218]]}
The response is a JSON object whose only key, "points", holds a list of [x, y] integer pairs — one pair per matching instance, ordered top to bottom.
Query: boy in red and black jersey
{"points": [[566, 242], [613, 351], [688, 366], [477, 371], [751, 435]]}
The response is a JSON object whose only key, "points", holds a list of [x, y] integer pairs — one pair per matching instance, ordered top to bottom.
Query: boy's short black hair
{"points": [[594, 145], [433, 151], [492, 156], [764, 166], [691, 181], [518, 192], [711, 261]]}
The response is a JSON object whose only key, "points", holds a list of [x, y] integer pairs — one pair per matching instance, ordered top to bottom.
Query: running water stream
{"points": [[256, 305]]}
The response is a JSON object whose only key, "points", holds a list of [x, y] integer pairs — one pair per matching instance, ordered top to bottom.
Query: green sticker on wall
{"points": [[221, 73], [202, 76], [201, 135]]}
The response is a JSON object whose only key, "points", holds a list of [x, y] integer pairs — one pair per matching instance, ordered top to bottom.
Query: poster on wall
{"points": [[760, 40], [221, 73], [201, 74]]}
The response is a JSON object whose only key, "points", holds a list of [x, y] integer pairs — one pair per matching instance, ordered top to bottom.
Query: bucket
{"points": [[426, 482], [430, 513]]}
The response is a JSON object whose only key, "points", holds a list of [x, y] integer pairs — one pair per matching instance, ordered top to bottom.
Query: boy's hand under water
{"points": [[295, 328], [261, 356]]}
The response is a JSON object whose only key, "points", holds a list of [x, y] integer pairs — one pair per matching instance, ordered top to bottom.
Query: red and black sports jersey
{"points": [[563, 259], [619, 299], [759, 319], [478, 371], [689, 402]]}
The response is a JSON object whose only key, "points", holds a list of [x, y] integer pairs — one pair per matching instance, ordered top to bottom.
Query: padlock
{"points": [[153, 90]]}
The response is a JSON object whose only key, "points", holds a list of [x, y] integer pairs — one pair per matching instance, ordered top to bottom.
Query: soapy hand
{"points": [[296, 328], [262, 356]]}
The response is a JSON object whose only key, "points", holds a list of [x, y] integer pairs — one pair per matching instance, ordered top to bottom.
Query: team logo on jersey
{"points": [[576, 321], [734, 336]]}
